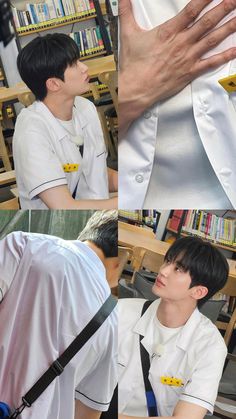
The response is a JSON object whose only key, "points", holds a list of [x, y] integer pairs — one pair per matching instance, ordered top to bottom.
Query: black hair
{"points": [[45, 57], [102, 230], [206, 265]]}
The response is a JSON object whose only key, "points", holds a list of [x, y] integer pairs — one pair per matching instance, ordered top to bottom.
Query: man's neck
{"points": [[60, 106], [175, 313]]}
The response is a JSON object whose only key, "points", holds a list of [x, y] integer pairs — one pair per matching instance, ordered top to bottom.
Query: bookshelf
{"points": [[85, 17], [148, 218], [219, 229]]}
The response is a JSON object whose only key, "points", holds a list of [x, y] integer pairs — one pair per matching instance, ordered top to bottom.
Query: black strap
{"points": [[81, 149], [145, 361], [58, 366]]}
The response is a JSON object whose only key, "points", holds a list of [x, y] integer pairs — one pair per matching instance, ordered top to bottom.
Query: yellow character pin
{"points": [[229, 83], [70, 167], [172, 381]]}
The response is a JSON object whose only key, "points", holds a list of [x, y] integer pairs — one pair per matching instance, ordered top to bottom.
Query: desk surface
{"points": [[95, 67], [137, 238]]}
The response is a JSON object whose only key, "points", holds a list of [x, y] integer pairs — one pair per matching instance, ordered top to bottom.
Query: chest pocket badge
{"points": [[229, 83], [70, 167], [172, 381]]}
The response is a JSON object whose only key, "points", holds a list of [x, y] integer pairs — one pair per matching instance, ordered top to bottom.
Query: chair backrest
{"points": [[110, 78], [10, 204], [124, 254], [146, 259], [230, 291], [212, 308]]}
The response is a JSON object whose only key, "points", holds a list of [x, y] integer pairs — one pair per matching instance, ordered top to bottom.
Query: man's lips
{"points": [[158, 282]]}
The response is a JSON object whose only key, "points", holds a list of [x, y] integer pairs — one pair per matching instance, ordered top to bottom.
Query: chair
{"points": [[110, 79], [104, 104], [3, 149], [10, 204], [146, 261], [228, 326]]}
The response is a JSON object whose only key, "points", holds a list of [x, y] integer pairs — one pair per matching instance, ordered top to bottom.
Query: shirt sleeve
{"points": [[36, 161], [11, 250], [202, 386], [96, 389]]}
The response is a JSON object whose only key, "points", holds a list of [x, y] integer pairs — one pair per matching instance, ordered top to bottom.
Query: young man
{"points": [[180, 118], [58, 145], [50, 289], [182, 344]]}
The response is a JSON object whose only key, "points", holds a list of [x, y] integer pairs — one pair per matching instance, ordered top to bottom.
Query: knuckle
{"points": [[229, 5], [190, 11], [207, 22], [211, 41]]}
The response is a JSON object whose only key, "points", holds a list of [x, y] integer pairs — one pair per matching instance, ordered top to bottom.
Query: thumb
{"points": [[127, 21]]}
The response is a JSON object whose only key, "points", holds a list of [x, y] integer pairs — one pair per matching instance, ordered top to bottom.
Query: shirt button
{"points": [[147, 115], [139, 178]]}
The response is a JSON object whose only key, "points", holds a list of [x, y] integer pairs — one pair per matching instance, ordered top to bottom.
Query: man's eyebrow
{"points": [[180, 264]]}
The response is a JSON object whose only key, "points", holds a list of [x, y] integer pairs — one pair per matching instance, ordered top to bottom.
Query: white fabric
{"points": [[214, 116], [76, 135], [41, 146], [180, 154], [53, 288], [196, 356]]}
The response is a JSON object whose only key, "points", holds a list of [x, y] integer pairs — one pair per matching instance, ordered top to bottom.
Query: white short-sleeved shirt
{"points": [[41, 146], [181, 151], [52, 289], [196, 357]]}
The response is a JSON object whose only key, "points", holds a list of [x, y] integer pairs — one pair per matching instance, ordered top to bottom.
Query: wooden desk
{"points": [[100, 65], [134, 237]]}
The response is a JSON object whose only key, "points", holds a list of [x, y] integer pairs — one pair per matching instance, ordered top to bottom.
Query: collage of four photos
{"points": [[117, 209]]}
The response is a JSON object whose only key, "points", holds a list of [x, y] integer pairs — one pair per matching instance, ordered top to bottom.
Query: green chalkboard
{"points": [[62, 223]]}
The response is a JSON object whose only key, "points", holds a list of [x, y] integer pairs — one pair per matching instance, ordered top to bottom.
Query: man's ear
{"points": [[53, 84], [198, 292]]}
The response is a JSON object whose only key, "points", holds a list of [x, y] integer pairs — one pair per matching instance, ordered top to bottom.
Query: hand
{"points": [[156, 64]]}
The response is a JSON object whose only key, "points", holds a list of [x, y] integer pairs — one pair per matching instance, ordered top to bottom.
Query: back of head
{"points": [[45, 57], [102, 230], [206, 265]]}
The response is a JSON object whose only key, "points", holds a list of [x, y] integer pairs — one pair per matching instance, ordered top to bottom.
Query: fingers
{"points": [[188, 14], [210, 19], [127, 21], [214, 38], [213, 62]]}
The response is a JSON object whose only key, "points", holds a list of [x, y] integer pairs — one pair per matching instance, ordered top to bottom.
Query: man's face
{"points": [[76, 79], [172, 282]]}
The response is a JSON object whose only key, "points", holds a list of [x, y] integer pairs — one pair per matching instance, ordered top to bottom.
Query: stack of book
{"points": [[39, 13], [89, 41], [135, 215], [211, 227]]}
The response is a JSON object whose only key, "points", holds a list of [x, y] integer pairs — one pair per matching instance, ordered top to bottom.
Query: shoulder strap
{"points": [[145, 361], [58, 366]]}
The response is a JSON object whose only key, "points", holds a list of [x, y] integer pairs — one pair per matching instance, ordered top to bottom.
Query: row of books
{"points": [[39, 13], [89, 41], [140, 216], [211, 227]]}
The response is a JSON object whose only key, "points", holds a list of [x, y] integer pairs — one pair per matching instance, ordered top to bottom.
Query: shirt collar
{"points": [[55, 125], [144, 327]]}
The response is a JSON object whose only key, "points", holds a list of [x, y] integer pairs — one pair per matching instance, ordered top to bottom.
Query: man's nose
{"points": [[165, 269]]}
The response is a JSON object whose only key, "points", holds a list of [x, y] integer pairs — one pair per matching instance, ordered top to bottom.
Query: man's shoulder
{"points": [[206, 331]]}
